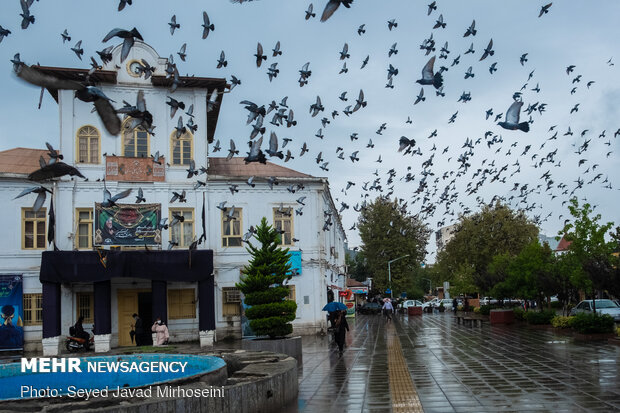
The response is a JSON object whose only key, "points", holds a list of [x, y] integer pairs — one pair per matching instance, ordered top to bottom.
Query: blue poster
{"points": [[295, 261], [11, 313]]}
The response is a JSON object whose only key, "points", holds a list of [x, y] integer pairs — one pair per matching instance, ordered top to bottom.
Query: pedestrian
{"points": [[455, 305], [387, 309], [341, 327], [138, 330], [161, 332]]}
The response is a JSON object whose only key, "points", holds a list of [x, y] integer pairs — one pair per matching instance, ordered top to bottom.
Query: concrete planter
{"points": [[414, 311], [502, 317], [593, 337], [615, 341], [288, 345]]}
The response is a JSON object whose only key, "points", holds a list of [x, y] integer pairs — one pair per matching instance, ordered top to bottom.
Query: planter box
{"points": [[414, 311], [502, 317], [564, 331], [594, 337], [614, 341], [288, 345]]}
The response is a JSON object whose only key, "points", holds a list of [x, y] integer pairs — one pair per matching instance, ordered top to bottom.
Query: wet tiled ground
{"points": [[458, 368]]}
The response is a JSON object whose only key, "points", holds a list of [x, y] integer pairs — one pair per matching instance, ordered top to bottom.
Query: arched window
{"points": [[135, 141], [88, 144], [181, 148]]}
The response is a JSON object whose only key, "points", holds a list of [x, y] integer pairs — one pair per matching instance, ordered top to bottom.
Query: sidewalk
{"points": [[456, 368]]}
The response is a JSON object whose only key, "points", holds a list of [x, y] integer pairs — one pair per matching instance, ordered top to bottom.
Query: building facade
{"points": [[192, 290]]}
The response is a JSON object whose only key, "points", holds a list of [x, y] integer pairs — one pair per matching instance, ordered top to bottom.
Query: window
{"points": [[88, 140], [135, 142], [181, 148], [283, 221], [84, 224], [231, 228], [33, 229], [182, 232], [291, 293], [231, 301], [181, 304], [85, 306], [33, 309]]}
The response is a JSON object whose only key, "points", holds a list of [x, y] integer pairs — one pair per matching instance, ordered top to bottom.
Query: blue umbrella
{"points": [[334, 306]]}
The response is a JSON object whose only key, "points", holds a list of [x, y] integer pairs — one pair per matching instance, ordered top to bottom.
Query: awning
{"points": [[94, 266]]}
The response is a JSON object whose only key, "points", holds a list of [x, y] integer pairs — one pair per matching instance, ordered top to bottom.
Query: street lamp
{"points": [[390, 273], [430, 285]]}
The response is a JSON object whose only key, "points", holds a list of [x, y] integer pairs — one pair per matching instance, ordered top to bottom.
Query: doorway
{"points": [[130, 302]]}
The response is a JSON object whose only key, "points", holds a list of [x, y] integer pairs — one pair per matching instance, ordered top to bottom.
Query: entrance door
{"points": [[130, 302]]}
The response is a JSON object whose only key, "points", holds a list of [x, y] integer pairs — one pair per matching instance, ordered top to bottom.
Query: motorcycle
{"points": [[75, 344]]}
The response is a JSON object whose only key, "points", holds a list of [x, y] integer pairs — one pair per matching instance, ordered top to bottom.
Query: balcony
{"points": [[126, 169]]}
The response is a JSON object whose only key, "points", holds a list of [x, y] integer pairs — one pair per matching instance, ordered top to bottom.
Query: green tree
{"points": [[496, 229], [388, 232], [589, 250], [356, 266], [532, 274], [261, 282]]}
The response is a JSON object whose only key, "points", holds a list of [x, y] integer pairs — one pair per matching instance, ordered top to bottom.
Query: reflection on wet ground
{"points": [[458, 368]]}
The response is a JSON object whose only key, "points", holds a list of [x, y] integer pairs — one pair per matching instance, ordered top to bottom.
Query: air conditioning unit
{"points": [[232, 296]]}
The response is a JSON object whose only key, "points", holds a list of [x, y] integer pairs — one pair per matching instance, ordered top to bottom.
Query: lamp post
{"points": [[390, 273], [430, 285]]}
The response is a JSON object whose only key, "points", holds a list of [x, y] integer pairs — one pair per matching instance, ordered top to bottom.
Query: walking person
{"points": [[455, 305], [388, 309], [341, 327]]}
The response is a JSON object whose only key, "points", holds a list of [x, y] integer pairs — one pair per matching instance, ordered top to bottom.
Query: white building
{"points": [[443, 236], [193, 291]]}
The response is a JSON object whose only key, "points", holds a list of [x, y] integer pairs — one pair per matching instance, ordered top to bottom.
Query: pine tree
{"points": [[270, 313]]}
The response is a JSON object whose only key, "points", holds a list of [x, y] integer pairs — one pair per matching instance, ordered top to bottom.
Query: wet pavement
{"points": [[430, 363]]}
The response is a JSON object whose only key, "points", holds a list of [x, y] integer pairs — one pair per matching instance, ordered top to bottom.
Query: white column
{"points": [[207, 338], [102, 343], [51, 346]]}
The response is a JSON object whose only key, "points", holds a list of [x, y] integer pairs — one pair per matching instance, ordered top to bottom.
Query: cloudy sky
{"points": [[572, 33]]}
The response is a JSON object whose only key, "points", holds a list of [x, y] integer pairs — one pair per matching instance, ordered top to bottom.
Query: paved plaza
{"points": [[430, 363]]}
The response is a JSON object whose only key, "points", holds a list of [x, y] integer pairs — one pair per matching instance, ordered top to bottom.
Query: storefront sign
{"points": [[127, 224], [360, 290], [11, 312]]}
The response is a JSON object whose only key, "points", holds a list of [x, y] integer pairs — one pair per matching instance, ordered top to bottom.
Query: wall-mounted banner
{"points": [[127, 224], [295, 261], [11, 312]]}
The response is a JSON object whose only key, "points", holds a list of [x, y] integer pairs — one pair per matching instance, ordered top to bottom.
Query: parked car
{"points": [[488, 301], [435, 302], [411, 303], [432, 303], [602, 307], [371, 308]]}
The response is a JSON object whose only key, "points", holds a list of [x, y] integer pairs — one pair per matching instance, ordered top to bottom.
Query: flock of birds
{"points": [[436, 194]]}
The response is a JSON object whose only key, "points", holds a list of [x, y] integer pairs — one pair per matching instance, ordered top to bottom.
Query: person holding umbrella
{"points": [[333, 308], [341, 328]]}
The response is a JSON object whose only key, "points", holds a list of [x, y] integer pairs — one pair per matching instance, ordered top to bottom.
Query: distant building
{"points": [[443, 236], [553, 243], [562, 246]]}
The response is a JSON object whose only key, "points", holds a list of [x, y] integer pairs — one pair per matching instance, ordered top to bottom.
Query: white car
{"points": [[488, 301], [435, 302], [411, 303], [602, 307]]}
